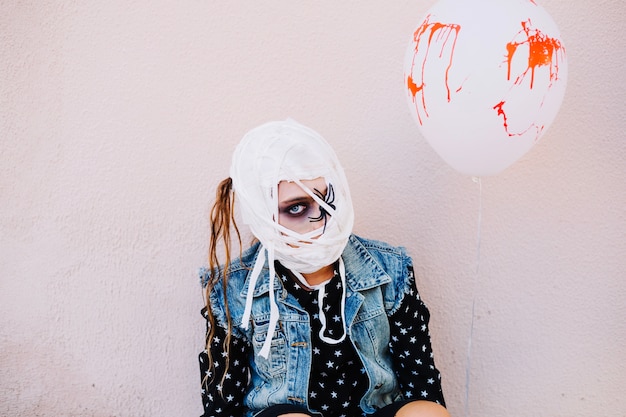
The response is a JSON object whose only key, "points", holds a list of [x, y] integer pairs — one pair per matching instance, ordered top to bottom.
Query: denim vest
{"points": [[376, 281]]}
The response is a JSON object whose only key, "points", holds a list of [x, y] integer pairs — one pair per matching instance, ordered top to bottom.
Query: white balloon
{"points": [[484, 80]]}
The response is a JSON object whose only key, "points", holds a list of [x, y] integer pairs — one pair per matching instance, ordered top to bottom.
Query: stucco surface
{"points": [[118, 118]]}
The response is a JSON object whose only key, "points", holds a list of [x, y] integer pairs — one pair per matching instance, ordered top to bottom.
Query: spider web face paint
{"points": [[328, 198]]}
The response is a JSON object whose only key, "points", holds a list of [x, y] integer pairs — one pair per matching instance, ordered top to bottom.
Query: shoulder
{"points": [[377, 245], [385, 254], [378, 261], [227, 301]]}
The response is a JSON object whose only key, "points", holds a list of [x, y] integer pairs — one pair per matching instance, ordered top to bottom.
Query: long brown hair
{"points": [[222, 221]]}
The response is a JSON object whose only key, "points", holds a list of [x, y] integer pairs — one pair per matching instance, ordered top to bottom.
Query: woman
{"points": [[312, 320]]}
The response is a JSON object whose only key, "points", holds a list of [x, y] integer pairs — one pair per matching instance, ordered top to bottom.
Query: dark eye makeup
{"points": [[304, 206], [297, 207], [296, 210]]}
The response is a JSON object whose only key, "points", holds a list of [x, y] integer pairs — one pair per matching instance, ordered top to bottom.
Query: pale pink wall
{"points": [[117, 118]]}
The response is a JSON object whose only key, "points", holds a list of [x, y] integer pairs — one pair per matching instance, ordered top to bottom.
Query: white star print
{"points": [[335, 393]]}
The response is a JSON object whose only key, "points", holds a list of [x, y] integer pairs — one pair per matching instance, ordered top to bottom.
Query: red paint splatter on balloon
{"points": [[435, 31], [543, 51], [500, 109]]}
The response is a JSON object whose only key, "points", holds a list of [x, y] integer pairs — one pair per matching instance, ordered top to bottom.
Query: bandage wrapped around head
{"points": [[288, 151]]}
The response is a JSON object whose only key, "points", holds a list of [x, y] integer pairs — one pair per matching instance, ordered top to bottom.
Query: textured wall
{"points": [[117, 118]]}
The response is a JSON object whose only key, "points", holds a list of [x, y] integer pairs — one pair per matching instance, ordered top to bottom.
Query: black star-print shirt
{"points": [[337, 378]]}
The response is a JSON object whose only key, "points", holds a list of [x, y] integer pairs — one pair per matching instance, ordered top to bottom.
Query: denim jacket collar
{"points": [[362, 271]]}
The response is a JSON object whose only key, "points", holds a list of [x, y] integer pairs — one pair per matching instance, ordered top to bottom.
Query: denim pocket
{"points": [[276, 362]]}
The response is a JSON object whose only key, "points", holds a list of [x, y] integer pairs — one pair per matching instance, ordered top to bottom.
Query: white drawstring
{"points": [[256, 272], [321, 293], [320, 300], [274, 314], [265, 350]]}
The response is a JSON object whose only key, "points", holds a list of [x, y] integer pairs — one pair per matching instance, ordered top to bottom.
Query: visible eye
{"points": [[296, 209]]}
